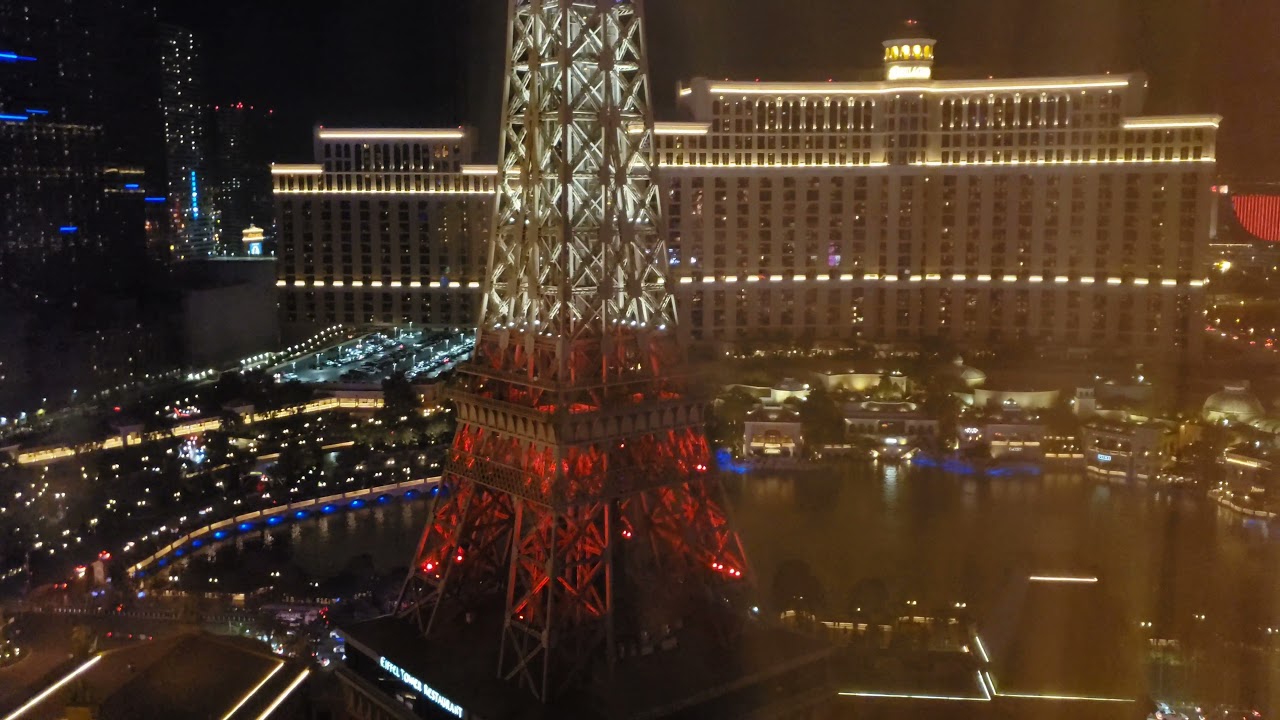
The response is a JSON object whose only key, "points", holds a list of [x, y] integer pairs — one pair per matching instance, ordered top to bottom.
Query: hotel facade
{"points": [[1040, 210], [387, 226]]}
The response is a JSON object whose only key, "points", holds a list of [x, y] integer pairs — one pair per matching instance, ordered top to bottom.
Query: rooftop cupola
{"points": [[909, 57]]}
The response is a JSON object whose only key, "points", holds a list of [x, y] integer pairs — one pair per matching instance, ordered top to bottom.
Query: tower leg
{"points": [[467, 538], [559, 608]]}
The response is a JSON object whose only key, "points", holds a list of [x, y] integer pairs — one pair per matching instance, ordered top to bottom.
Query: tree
{"points": [[230, 386], [886, 389], [399, 397], [941, 403], [1061, 419], [726, 421], [821, 421], [439, 427], [295, 460], [795, 587], [869, 596]]}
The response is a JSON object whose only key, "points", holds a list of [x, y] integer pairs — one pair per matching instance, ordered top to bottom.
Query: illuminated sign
{"points": [[910, 72], [195, 198], [1259, 215], [255, 248], [1102, 457], [420, 687]]}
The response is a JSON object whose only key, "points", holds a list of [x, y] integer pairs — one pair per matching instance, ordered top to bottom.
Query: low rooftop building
{"points": [[966, 375], [858, 381], [787, 389], [1017, 398], [1234, 403], [897, 427], [772, 431], [1008, 432], [1128, 451], [1249, 479], [184, 676]]}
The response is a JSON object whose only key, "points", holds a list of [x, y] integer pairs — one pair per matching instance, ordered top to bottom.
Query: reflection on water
{"points": [[890, 484], [930, 532], [938, 536], [943, 538], [953, 538], [323, 545]]}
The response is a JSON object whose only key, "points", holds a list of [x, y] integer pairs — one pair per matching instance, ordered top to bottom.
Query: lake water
{"points": [[942, 537], [951, 537]]}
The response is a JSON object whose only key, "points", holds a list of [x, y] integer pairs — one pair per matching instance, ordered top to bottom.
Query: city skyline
{"points": [[1187, 51], [628, 359]]}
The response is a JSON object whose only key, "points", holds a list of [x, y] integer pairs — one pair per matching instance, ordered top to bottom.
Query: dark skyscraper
{"points": [[91, 63], [185, 113], [75, 125], [81, 153], [241, 162], [69, 220]]}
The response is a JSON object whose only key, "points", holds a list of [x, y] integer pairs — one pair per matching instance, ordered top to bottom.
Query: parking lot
{"points": [[422, 355]]}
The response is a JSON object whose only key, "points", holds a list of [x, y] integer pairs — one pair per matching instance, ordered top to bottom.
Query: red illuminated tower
{"points": [[579, 498]]}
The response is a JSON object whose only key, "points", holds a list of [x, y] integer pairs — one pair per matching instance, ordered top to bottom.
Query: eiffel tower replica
{"points": [[579, 558]]}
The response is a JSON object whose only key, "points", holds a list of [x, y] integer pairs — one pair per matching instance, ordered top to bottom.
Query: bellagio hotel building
{"points": [[1038, 210], [1047, 211], [387, 226]]}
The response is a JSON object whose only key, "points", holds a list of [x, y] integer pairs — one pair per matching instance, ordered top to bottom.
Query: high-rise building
{"points": [[69, 59], [185, 113], [73, 153], [241, 174], [81, 178], [1031, 210], [1045, 211], [70, 224], [387, 226], [72, 243]]}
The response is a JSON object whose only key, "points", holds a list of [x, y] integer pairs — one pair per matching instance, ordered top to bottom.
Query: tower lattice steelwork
{"points": [[579, 495]]}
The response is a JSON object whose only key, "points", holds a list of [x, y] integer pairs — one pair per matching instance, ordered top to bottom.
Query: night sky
{"points": [[439, 62]]}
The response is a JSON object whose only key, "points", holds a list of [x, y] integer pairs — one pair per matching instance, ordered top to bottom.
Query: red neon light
{"points": [[1259, 215]]}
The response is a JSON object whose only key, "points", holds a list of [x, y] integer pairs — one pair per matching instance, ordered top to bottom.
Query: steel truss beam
{"points": [[577, 250], [579, 489], [664, 548]]}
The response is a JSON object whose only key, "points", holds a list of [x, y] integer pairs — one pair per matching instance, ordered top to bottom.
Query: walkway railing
{"points": [[1224, 499], [271, 517]]}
